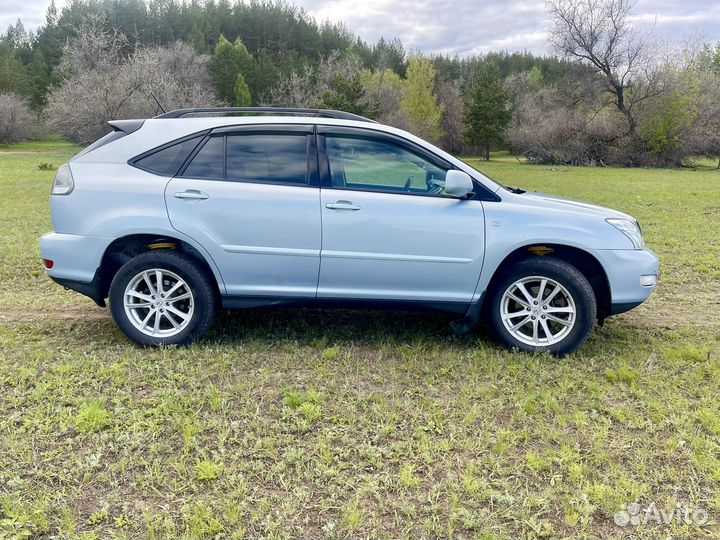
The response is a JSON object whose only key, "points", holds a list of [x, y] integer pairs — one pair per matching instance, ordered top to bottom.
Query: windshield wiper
{"points": [[515, 189]]}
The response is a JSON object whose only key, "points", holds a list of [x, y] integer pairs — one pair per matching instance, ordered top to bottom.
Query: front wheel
{"points": [[162, 298], [543, 304]]}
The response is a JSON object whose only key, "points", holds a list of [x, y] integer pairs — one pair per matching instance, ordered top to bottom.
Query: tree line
{"points": [[100, 59]]}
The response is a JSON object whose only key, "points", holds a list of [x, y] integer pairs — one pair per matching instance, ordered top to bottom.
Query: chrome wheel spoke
{"points": [[148, 281], [159, 281], [543, 284], [521, 287], [174, 288], [141, 296], [184, 296], [551, 296], [519, 300], [138, 305], [560, 309], [174, 311], [514, 315], [147, 318], [172, 320], [558, 320], [521, 323], [156, 327], [548, 333]]}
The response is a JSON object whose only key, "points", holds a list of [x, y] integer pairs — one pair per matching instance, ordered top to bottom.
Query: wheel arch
{"points": [[124, 248], [583, 260]]}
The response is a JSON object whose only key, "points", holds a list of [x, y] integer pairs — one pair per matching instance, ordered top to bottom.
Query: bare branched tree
{"points": [[598, 32], [103, 79], [307, 89], [16, 120]]}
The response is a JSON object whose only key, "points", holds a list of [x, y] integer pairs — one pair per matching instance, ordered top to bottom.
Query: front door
{"points": [[388, 229]]}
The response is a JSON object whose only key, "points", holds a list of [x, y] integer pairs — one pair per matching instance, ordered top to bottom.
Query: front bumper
{"points": [[633, 275]]}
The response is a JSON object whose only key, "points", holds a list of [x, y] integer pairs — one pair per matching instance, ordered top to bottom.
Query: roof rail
{"points": [[325, 113]]}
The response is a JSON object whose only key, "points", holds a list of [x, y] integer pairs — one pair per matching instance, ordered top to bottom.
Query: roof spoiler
{"points": [[126, 126]]}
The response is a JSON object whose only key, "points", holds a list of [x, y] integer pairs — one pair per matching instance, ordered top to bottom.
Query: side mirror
{"points": [[458, 184]]}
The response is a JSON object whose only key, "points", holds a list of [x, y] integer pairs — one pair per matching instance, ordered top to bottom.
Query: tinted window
{"points": [[267, 158], [168, 160], [209, 161], [368, 164]]}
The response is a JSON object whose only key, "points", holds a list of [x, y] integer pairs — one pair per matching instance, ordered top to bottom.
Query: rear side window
{"points": [[267, 158], [277, 158], [167, 159], [209, 161]]}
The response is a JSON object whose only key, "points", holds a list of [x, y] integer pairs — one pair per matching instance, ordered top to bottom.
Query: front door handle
{"points": [[192, 194], [342, 205]]}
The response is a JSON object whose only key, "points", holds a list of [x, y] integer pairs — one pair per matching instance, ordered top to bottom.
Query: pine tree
{"points": [[196, 38], [230, 60], [242, 92], [349, 95], [487, 111]]}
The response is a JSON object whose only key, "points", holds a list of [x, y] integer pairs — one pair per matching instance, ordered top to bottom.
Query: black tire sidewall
{"points": [[190, 271], [570, 278]]}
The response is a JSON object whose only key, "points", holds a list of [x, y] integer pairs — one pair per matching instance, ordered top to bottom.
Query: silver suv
{"points": [[177, 216]]}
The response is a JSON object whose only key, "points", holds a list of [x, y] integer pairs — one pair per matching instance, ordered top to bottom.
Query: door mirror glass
{"points": [[458, 184]]}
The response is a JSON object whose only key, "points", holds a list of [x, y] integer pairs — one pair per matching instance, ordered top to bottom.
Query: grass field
{"points": [[344, 424]]}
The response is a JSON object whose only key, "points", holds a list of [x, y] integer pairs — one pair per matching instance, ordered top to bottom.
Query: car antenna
{"points": [[159, 106]]}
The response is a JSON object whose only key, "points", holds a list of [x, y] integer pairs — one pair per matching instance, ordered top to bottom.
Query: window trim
{"points": [[311, 173]]}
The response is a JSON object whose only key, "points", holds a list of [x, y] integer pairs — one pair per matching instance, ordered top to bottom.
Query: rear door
{"points": [[250, 196]]}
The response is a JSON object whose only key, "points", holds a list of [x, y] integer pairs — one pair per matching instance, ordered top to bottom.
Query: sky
{"points": [[452, 27]]}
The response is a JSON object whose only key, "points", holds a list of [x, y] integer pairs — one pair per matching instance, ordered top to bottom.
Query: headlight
{"points": [[64, 183], [631, 229]]}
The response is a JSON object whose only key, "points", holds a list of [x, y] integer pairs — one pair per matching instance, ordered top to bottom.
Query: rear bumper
{"points": [[76, 261], [632, 274], [92, 290]]}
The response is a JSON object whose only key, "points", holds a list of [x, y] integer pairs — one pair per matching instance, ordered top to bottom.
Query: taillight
{"points": [[64, 183], [47, 263]]}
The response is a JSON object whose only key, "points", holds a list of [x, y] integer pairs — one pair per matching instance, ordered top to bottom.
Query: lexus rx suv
{"points": [[176, 217]]}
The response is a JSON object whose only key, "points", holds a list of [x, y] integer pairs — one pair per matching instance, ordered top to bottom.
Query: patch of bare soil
{"points": [[25, 152], [79, 313]]}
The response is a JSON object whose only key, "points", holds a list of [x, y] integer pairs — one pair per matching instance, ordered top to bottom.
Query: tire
{"points": [[564, 313], [184, 315]]}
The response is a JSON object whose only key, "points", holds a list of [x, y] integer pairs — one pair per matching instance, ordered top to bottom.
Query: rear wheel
{"points": [[162, 298], [543, 304]]}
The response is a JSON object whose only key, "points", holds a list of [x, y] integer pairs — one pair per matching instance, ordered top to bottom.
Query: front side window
{"points": [[373, 165]]}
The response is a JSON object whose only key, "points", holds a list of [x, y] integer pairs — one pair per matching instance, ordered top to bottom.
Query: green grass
{"points": [[349, 424]]}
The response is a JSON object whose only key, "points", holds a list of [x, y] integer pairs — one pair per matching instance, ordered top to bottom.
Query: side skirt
{"points": [[250, 302]]}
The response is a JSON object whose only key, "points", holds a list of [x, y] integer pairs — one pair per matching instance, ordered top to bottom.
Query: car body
{"points": [[311, 210]]}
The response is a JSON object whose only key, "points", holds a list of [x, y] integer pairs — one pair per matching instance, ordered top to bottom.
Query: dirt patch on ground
{"points": [[25, 152], [24, 315]]}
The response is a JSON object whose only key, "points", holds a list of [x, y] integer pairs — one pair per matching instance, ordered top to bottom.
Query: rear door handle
{"points": [[192, 194], [342, 205]]}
